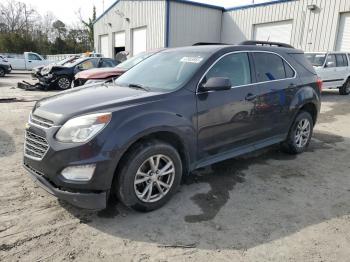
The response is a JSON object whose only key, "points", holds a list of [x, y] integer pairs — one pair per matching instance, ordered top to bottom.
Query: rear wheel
{"points": [[63, 83], [345, 89], [299, 134], [150, 176]]}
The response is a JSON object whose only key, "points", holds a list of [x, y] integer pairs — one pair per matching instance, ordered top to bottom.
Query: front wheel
{"points": [[2, 72], [63, 83], [345, 89], [300, 134], [150, 176]]}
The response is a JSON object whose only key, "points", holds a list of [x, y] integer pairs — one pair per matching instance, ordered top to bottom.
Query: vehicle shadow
{"points": [[241, 203]]}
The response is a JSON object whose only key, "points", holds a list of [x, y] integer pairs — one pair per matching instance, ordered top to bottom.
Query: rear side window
{"points": [[341, 60], [234, 67], [269, 67]]}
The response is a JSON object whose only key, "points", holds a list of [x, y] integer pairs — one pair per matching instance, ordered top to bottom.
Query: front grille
{"points": [[41, 121], [35, 146]]}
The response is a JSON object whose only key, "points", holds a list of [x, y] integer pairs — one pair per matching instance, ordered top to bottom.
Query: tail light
{"points": [[319, 84]]}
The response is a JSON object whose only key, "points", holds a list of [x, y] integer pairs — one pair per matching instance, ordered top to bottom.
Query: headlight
{"points": [[83, 128]]}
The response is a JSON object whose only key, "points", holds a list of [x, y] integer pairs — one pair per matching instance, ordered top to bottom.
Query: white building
{"points": [[140, 25]]}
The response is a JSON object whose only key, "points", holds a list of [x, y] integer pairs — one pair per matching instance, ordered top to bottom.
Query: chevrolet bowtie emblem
{"points": [[27, 126]]}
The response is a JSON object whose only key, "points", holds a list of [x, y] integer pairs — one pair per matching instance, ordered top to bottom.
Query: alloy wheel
{"points": [[63, 83], [302, 133], [154, 178]]}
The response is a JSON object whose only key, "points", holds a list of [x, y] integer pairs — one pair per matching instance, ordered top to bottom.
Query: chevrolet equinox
{"points": [[181, 109]]}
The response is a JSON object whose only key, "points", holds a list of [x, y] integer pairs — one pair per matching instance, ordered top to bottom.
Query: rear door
{"points": [[329, 74], [276, 85], [225, 117]]}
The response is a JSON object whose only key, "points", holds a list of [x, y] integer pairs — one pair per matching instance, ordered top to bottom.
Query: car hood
{"points": [[100, 73], [89, 99]]}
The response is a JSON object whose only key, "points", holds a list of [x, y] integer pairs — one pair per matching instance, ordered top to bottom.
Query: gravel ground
{"points": [[266, 206]]}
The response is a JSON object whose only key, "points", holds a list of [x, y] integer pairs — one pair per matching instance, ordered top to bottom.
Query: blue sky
{"points": [[66, 10]]}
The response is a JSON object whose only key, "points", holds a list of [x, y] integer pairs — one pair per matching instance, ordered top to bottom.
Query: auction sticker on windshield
{"points": [[191, 59]]}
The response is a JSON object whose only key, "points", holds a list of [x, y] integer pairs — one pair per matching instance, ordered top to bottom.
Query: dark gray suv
{"points": [[179, 110]]}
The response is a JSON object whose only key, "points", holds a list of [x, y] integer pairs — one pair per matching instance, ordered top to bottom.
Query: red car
{"points": [[105, 74]]}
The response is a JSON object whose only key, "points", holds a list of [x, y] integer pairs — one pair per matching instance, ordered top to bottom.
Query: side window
{"points": [[33, 57], [345, 59], [340, 60], [330, 61], [107, 63], [88, 64], [235, 67], [268, 67], [289, 71]]}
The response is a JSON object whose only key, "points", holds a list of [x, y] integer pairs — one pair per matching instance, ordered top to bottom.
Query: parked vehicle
{"points": [[26, 61], [5, 66], [333, 68], [36, 71], [105, 74], [62, 76], [171, 114]]}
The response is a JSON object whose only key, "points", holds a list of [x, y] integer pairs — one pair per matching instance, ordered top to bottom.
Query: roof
{"points": [[191, 2]]}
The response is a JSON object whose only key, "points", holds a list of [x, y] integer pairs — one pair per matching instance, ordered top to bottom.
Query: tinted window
{"points": [[33, 57], [345, 60], [331, 61], [340, 61], [107, 63], [235, 67], [268, 67], [289, 71]]}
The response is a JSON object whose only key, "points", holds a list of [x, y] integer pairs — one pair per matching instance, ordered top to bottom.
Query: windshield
{"points": [[70, 59], [316, 59], [127, 64], [164, 71]]}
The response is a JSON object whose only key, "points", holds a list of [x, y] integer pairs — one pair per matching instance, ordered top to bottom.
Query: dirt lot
{"points": [[267, 206]]}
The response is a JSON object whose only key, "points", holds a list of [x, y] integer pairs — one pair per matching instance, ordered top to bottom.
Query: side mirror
{"points": [[216, 84]]}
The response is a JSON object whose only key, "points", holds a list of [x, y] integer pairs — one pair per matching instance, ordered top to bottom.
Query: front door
{"points": [[225, 117]]}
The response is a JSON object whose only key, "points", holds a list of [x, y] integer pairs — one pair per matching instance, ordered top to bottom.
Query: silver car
{"points": [[333, 68]]}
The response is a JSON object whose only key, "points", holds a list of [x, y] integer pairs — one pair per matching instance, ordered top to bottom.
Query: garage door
{"points": [[276, 31], [119, 39], [139, 40], [343, 40], [104, 45]]}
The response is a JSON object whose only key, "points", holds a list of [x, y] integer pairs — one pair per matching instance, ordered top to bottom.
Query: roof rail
{"points": [[253, 42], [208, 43]]}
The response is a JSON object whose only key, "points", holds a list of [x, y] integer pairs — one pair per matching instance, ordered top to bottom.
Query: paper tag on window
{"points": [[193, 59]]}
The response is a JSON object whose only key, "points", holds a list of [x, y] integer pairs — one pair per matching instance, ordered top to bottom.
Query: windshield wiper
{"points": [[138, 86]]}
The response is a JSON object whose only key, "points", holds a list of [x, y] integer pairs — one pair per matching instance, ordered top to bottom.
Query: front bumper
{"points": [[92, 194], [84, 200]]}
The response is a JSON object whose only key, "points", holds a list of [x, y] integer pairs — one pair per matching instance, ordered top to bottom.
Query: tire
{"points": [[2, 72], [63, 83], [345, 89], [296, 144], [136, 175]]}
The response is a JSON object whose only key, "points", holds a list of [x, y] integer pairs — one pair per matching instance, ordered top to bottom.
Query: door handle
{"points": [[250, 97]]}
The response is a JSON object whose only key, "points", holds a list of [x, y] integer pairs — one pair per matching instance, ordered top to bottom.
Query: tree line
{"points": [[23, 29]]}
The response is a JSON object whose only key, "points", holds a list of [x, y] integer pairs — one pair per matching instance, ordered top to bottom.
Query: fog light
{"points": [[78, 173]]}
